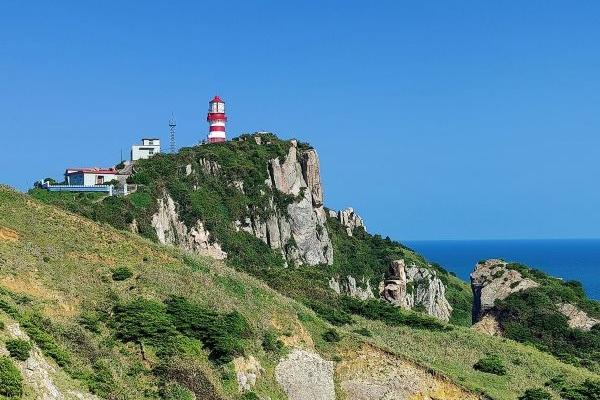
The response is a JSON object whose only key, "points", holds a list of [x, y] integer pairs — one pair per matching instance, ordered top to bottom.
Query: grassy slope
{"points": [[62, 262]]}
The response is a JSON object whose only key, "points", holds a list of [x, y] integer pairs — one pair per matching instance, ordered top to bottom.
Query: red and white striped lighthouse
{"points": [[216, 120]]}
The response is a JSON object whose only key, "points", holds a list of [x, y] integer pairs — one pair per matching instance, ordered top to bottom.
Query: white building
{"points": [[148, 148], [89, 176]]}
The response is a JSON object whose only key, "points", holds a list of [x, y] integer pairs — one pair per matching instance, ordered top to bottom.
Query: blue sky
{"points": [[433, 119]]}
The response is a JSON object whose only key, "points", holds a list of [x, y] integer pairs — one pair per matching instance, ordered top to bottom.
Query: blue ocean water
{"points": [[571, 259]]}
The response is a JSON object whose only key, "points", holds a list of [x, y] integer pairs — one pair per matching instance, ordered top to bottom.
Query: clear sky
{"points": [[433, 119]]}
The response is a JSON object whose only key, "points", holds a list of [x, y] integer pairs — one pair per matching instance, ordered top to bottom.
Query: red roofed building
{"points": [[216, 119], [89, 176]]}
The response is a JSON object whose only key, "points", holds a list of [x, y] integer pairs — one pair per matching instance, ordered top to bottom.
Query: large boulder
{"points": [[350, 220], [349, 286], [411, 286], [304, 375]]}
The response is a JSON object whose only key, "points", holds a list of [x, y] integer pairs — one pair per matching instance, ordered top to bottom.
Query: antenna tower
{"points": [[172, 126]]}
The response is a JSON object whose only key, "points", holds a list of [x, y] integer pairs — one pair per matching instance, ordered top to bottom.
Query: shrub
{"points": [[121, 274], [333, 315], [90, 320], [142, 321], [1, 325], [36, 327], [363, 331], [221, 334], [331, 336], [271, 343], [18, 349], [491, 364], [11, 381], [101, 381], [588, 390], [535, 394], [250, 396]]}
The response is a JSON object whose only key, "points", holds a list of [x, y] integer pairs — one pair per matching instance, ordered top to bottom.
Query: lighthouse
{"points": [[216, 119]]}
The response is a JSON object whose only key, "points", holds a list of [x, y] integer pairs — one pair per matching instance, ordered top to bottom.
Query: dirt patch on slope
{"points": [[8, 235], [27, 285], [373, 374]]}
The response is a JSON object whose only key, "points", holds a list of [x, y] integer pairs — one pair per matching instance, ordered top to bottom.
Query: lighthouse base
{"points": [[216, 140]]}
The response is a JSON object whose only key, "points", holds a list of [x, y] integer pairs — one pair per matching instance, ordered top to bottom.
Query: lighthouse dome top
{"points": [[217, 99]]}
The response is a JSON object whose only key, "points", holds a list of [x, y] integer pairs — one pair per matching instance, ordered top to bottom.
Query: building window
{"points": [[150, 142], [150, 151], [99, 180]]}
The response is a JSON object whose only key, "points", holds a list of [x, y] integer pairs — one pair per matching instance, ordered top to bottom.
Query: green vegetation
{"points": [[121, 274], [532, 316], [331, 335], [18, 349], [491, 364], [11, 381], [536, 394]]}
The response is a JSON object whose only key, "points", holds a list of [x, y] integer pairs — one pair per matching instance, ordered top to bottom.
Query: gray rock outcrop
{"points": [[350, 219], [170, 230], [299, 231], [492, 280], [347, 285], [411, 286], [578, 319], [304, 375]]}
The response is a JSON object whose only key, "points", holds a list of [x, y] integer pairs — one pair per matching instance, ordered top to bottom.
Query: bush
{"points": [[121, 274], [90, 320], [143, 321], [36, 327], [363, 331], [221, 334], [331, 336], [271, 343], [18, 349], [491, 364], [11, 381], [101, 381], [588, 390], [535, 394], [250, 396]]}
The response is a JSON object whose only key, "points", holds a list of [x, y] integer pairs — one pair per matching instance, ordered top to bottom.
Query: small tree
{"points": [[18, 349]]}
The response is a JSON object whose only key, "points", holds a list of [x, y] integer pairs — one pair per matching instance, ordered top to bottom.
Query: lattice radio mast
{"points": [[172, 126]]}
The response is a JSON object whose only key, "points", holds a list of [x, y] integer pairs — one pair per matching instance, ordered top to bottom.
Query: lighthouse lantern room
{"points": [[216, 120]]}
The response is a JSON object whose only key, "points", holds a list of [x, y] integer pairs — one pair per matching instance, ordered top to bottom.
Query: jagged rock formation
{"points": [[350, 220], [170, 230], [298, 231], [492, 280], [347, 285], [411, 286], [578, 319], [304, 375]]}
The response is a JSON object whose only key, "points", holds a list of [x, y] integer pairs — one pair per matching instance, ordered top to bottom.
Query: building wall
{"points": [[143, 152]]}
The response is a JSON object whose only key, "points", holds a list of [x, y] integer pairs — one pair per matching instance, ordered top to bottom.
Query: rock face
{"points": [[350, 220], [170, 230], [299, 231], [492, 280], [347, 285], [410, 286], [578, 319], [247, 370], [38, 374], [304, 375]]}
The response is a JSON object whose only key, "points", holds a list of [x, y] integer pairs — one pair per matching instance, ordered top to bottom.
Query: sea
{"points": [[569, 259]]}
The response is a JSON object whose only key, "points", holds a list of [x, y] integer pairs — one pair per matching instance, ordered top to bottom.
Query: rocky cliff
{"points": [[298, 230], [413, 287]]}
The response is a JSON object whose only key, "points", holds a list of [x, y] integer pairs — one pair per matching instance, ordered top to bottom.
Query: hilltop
{"points": [[369, 309]]}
